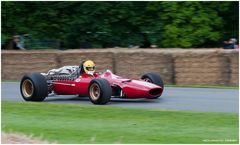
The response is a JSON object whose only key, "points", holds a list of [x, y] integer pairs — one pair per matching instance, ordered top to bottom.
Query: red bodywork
{"points": [[131, 88]]}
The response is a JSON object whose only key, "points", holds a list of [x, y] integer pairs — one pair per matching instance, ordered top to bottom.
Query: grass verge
{"points": [[104, 124]]}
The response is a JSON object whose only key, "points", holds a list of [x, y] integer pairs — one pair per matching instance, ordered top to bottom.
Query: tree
{"points": [[108, 24]]}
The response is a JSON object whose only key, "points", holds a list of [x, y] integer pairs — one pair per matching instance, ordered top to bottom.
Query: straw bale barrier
{"points": [[176, 66]]}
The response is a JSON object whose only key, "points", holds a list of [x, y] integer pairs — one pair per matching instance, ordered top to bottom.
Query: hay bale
{"points": [[103, 60], [137, 63], [16, 64], [180, 66], [201, 68]]}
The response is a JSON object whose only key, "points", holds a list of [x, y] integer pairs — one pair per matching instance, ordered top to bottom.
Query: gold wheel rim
{"points": [[27, 88], [94, 91]]}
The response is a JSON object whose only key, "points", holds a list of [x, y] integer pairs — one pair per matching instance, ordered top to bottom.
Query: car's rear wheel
{"points": [[155, 79], [33, 87], [99, 91]]}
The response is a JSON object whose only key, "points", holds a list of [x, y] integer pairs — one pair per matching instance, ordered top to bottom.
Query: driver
{"points": [[87, 67]]}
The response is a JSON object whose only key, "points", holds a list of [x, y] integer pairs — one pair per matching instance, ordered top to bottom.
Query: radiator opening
{"points": [[155, 92]]}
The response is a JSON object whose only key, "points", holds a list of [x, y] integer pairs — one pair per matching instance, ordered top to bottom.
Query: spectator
{"points": [[146, 42], [234, 42], [13, 44], [230, 44], [17, 45]]}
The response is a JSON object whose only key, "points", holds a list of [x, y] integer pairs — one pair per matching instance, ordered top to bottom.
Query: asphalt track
{"points": [[194, 99]]}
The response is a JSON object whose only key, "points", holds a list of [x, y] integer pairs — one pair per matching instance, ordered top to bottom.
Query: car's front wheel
{"points": [[153, 78], [100, 91]]}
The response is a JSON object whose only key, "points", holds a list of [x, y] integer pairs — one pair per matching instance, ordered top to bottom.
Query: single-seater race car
{"points": [[84, 81]]}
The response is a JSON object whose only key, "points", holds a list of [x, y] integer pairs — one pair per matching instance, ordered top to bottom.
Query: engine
{"points": [[66, 73]]}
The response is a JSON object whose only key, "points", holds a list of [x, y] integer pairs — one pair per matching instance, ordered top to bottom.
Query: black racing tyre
{"points": [[153, 78], [34, 87], [99, 91]]}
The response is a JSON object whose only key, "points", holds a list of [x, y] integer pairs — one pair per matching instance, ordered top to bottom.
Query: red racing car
{"points": [[84, 81]]}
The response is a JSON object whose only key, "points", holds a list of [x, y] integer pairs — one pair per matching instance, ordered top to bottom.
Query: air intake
{"points": [[155, 92]]}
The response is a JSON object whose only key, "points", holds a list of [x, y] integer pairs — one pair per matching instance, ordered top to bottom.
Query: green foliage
{"points": [[107, 24], [77, 124]]}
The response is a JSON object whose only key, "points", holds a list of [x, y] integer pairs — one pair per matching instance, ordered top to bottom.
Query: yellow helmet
{"points": [[89, 67]]}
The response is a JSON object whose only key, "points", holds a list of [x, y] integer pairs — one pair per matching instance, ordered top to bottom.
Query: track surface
{"points": [[194, 99]]}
